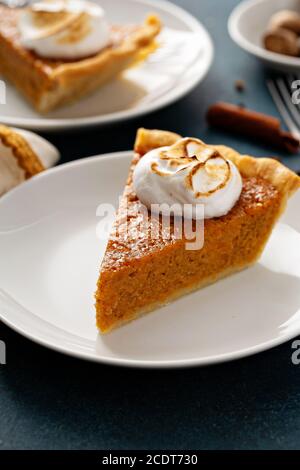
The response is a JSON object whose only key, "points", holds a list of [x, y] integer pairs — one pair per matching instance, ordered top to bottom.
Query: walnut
{"points": [[286, 19], [282, 41]]}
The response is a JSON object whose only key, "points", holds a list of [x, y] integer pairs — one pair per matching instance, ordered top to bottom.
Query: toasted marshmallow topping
{"points": [[64, 29], [186, 175]]}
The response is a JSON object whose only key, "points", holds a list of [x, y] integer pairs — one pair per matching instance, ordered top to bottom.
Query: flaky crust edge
{"points": [[269, 169]]}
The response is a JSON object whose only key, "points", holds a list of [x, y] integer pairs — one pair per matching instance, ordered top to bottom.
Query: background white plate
{"points": [[248, 23], [180, 63], [50, 257]]}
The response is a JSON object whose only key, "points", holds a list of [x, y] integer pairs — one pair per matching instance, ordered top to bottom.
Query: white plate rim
{"points": [[257, 51], [110, 118], [133, 363]]}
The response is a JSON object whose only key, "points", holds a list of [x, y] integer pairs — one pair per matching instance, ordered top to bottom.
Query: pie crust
{"points": [[285, 180]]}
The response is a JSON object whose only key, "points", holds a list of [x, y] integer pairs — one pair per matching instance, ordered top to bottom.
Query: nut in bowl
{"points": [[269, 30], [283, 34]]}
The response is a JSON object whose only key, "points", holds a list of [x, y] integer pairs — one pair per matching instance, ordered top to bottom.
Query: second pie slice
{"points": [[58, 51], [141, 272]]}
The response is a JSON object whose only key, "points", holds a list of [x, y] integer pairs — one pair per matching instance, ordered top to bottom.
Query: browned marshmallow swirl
{"points": [[64, 29], [187, 176]]}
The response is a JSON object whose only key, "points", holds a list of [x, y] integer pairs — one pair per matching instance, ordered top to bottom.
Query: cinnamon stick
{"points": [[262, 127]]}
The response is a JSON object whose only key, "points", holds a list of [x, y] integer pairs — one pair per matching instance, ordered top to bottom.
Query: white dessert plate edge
{"points": [[44, 330]]}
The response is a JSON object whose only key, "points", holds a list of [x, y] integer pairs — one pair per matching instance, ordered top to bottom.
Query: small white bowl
{"points": [[248, 23]]}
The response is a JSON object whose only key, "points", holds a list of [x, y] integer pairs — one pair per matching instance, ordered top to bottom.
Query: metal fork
{"points": [[281, 92]]}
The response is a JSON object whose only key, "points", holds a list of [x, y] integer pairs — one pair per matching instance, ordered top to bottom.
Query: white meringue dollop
{"points": [[64, 29], [184, 177]]}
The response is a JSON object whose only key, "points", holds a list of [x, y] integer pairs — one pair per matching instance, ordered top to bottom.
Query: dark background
{"points": [[50, 401]]}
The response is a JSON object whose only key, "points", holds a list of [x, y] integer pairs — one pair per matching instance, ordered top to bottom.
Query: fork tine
{"points": [[292, 79], [286, 95], [282, 109]]}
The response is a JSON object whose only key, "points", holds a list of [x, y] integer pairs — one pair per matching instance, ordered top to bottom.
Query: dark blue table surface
{"points": [[51, 401]]}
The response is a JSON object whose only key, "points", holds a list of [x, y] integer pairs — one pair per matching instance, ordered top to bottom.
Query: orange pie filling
{"points": [[133, 272]]}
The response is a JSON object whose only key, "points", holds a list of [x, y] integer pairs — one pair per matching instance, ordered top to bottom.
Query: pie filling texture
{"points": [[139, 274]]}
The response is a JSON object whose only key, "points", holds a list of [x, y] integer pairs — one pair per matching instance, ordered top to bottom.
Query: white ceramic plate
{"points": [[248, 23], [179, 64], [50, 257]]}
